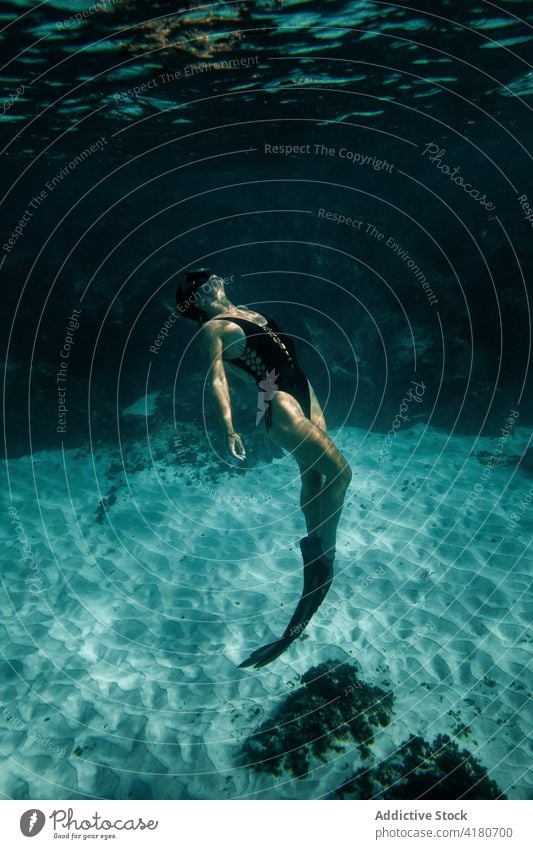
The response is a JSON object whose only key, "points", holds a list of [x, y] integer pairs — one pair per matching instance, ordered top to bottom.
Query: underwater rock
{"points": [[331, 708], [422, 770]]}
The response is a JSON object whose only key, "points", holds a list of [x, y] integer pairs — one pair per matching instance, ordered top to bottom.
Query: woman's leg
{"points": [[316, 454], [325, 478], [312, 480]]}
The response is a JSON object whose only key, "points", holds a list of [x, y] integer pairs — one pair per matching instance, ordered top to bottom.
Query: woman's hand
{"points": [[235, 446]]}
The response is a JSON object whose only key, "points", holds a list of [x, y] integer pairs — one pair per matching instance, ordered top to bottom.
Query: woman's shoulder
{"points": [[243, 312]]}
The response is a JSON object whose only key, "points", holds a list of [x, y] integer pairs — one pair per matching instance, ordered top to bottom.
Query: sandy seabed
{"points": [[122, 628]]}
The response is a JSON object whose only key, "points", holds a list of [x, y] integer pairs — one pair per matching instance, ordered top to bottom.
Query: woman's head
{"points": [[196, 296]]}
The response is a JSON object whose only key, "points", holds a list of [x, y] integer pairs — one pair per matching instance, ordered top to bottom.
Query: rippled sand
{"points": [[120, 659]]}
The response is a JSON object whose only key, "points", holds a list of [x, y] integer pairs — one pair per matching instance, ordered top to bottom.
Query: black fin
{"points": [[318, 575], [266, 654]]}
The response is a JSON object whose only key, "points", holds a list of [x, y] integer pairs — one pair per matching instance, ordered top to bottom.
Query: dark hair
{"points": [[186, 291]]}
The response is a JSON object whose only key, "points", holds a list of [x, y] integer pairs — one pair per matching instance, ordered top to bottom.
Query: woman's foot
{"points": [[318, 575]]}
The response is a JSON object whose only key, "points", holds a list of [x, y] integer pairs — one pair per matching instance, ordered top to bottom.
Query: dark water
{"points": [[359, 170], [181, 171]]}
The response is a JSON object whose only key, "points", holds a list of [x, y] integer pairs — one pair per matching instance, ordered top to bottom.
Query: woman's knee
{"points": [[342, 474], [346, 475], [311, 478]]}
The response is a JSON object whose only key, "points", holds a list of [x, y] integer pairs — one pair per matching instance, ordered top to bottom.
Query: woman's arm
{"points": [[211, 344]]}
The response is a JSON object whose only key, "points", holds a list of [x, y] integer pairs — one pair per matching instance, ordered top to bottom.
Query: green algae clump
{"points": [[331, 709], [422, 770]]}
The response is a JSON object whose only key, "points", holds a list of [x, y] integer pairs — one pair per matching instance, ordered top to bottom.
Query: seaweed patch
{"points": [[332, 708], [422, 770]]}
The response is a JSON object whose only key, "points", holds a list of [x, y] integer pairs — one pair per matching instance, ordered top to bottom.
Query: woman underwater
{"points": [[237, 338]]}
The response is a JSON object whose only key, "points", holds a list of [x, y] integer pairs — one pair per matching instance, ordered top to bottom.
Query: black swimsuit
{"points": [[269, 350]]}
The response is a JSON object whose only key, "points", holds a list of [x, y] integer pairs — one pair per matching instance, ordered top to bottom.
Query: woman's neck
{"points": [[218, 306]]}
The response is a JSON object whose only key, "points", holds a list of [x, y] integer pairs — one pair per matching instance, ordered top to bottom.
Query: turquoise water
{"points": [[360, 171], [123, 655]]}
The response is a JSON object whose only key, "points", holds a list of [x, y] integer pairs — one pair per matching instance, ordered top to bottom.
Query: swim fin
{"points": [[318, 575], [264, 655]]}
